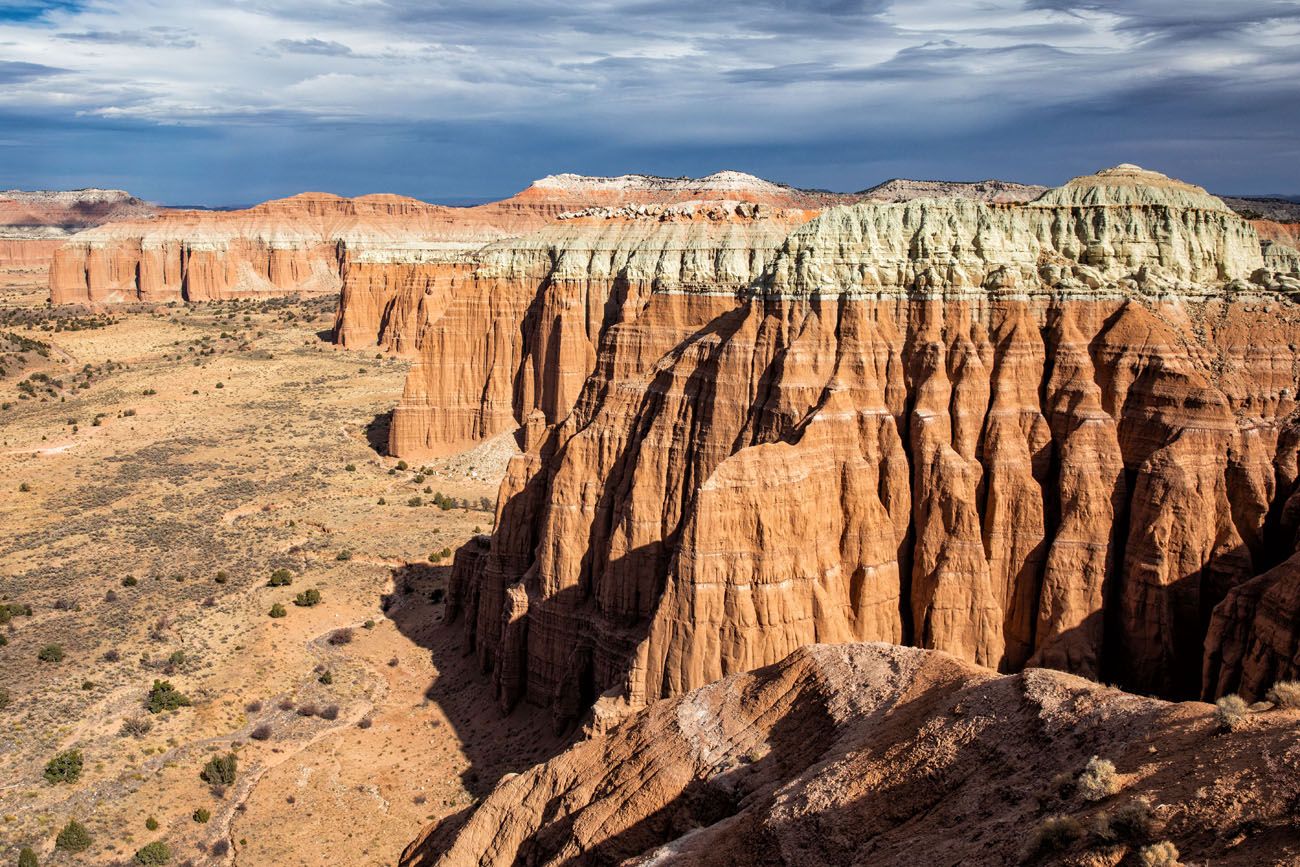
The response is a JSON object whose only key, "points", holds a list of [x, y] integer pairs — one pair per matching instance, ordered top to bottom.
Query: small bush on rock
{"points": [[1285, 694], [1230, 713], [1098, 780], [1054, 834], [1162, 854]]}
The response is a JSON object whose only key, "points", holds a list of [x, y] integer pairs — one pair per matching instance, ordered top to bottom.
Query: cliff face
{"points": [[33, 225], [291, 245], [382, 288], [511, 336], [1026, 435], [871, 754]]}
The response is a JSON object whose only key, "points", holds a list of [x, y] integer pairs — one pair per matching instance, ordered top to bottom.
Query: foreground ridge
{"points": [[869, 753]]}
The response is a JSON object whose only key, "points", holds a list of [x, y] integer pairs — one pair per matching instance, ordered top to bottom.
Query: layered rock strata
{"points": [[34, 224], [296, 245], [383, 288], [511, 336], [1042, 434], [872, 754]]}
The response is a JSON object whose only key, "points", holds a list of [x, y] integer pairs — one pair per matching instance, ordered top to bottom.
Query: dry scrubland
{"points": [[164, 464]]}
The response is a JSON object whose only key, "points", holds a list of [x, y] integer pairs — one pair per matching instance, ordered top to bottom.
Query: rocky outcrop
{"points": [[991, 191], [34, 224], [296, 245], [1041, 434], [872, 754]]}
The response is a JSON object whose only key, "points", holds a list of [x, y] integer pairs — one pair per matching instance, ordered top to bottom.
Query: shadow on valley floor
{"points": [[377, 432], [494, 743]]}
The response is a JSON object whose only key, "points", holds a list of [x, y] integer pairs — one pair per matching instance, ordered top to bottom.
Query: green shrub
{"points": [[402, 466], [351, 468], [24, 488], [415, 501], [343, 556], [222, 577], [280, 578], [130, 581], [307, 598], [277, 610], [369, 624], [50, 653], [177, 658], [327, 678], [1285, 694], [163, 696], [4, 698], [1230, 712], [65, 767], [220, 770], [1098, 780], [201, 815], [151, 823], [1055, 833], [73, 838], [154, 853], [27, 858]]}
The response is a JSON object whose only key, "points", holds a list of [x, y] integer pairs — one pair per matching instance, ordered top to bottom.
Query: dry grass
{"points": [[144, 547]]}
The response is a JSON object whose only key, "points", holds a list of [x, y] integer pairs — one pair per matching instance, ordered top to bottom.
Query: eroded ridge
{"points": [[1055, 434]]}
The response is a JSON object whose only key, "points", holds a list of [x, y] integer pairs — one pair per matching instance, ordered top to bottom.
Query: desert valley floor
{"points": [[211, 446]]}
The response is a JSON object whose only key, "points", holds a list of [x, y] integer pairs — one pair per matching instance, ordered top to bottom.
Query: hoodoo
{"points": [[1043, 434]]}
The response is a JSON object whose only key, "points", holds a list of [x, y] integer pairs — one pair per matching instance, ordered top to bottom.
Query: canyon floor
{"points": [[165, 462]]}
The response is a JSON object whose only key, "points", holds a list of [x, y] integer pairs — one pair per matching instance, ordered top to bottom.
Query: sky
{"points": [[223, 102]]}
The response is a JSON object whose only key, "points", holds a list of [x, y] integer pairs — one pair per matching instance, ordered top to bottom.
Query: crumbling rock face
{"points": [[513, 332], [1043, 434], [874, 754]]}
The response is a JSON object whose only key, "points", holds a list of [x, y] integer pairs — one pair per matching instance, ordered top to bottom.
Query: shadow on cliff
{"points": [[377, 432], [493, 742]]}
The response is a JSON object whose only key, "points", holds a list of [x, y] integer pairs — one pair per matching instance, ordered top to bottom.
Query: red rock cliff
{"points": [[1041, 434]]}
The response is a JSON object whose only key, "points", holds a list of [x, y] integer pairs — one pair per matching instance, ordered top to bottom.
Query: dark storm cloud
{"points": [[475, 98]]}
